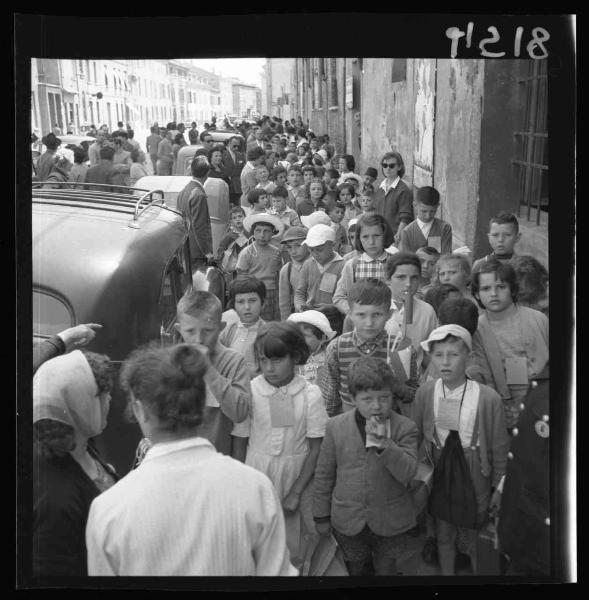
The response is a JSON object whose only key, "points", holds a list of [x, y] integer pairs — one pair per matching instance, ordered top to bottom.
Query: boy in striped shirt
{"points": [[370, 309]]}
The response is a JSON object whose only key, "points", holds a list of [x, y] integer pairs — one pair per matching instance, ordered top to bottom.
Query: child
{"points": [[346, 166], [262, 174], [308, 174], [278, 176], [330, 178], [369, 178], [354, 179], [295, 186], [347, 196], [258, 200], [313, 201], [366, 203], [279, 208], [335, 211], [352, 229], [427, 230], [373, 235], [503, 236], [232, 243], [429, 257], [263, 259], [454, 269], [403, 271], [320, 274], [289, 276], [532, 280], [436, 294], [246, 297], [370, 309], [317, 332], [512, 340], [227, 378], [459, 420], [285, 428], [367, 459]]}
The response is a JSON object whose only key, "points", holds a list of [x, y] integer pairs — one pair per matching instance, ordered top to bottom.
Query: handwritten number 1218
{"points": [[535, 47]]}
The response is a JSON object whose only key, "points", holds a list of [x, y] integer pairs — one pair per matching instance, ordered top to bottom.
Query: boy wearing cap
{"points": [[369, 178], [427, 229], [262, 259], [320, 274], [288, 278], [317, 331], [455, 404]]}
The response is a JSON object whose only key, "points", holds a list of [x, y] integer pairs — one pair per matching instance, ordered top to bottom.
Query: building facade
{"points": [[276, 87], [247, 100], [474, 129]]}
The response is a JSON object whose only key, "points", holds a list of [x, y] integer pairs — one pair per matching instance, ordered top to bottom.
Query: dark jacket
{"points": [[233, 171], [103, 172], [192, 201], [396, 206], [356, 486], [62, 494], [524, 519]]}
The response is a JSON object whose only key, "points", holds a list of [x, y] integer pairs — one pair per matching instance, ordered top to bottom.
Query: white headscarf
{"points": [[64, 390]]}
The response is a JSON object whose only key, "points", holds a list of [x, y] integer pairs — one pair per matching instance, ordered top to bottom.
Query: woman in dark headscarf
{"points": [[71, 398]]}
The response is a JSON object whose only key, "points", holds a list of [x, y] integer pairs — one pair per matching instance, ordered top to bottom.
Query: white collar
{"points": [[385, 187], [381, 258], [294, 387], [165, 448]]}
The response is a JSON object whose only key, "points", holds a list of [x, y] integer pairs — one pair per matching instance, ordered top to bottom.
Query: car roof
{"points": [[75, 139], [166, 183], [85, 240]]}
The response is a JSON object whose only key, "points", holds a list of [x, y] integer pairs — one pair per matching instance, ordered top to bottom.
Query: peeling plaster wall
{"points": [[388, 115], [457, 144]]}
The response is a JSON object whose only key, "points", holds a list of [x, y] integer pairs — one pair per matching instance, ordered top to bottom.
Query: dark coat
{"points": [[233, 171], [192, 201], [396, 206], [356, 486], [62, 494], [524, 519]]}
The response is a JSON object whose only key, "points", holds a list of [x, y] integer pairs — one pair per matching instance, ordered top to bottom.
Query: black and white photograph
{"points": [[289, 308]]}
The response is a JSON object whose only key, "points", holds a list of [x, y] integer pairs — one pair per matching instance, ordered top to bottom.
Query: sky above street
{"points": [[248, 70]]}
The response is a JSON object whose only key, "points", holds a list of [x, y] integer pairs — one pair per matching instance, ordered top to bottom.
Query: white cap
{"points": [[346, 176], [315, 218], [352, 222], [318, 235], [392, 249], [316, 318], [441, 332]]}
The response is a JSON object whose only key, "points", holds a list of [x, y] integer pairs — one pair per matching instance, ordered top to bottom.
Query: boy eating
{"points": [[427, 230], [227, 378], [367, 459]]}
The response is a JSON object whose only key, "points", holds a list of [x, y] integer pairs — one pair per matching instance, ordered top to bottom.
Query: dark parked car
{"points": [[117, 259]]}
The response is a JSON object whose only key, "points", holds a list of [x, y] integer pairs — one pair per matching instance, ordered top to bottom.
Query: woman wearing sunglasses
{"points": [[393, 198]]}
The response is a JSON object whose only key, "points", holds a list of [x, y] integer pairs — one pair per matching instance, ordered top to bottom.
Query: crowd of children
{"points": [[360, 350], [425, 351]]}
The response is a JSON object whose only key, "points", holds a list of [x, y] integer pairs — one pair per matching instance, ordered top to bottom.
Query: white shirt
{"points": [[384, 185], [425, 227], [467, 414], [188, 510]]}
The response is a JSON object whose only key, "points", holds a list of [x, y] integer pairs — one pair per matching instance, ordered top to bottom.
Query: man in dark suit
{"points": [[258, 140], [234, 162], [192, 201]]}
